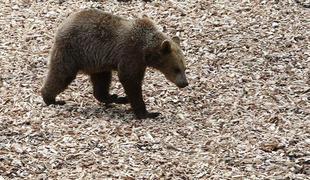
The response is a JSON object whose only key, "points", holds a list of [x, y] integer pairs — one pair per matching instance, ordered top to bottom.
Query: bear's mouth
{"points": [[179, 80]]}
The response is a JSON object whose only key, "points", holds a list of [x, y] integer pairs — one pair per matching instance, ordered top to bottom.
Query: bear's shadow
{"points": [[106, 112]]}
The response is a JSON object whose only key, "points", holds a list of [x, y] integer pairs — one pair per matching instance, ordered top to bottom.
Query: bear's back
{"points": [[92, 24]]}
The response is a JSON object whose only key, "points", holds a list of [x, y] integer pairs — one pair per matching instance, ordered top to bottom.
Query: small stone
{"points": [[275, 24]]}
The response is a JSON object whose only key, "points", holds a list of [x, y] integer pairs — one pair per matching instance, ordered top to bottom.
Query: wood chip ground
{"points": [[245, 115]]}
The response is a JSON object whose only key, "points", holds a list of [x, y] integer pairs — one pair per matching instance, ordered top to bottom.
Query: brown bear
{"points": [[96, 43]]}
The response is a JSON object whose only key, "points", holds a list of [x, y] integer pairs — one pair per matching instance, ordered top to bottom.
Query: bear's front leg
{"points": [[133, 89]]}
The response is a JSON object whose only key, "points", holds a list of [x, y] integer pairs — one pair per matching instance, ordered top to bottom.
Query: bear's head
{"points": [[171, 62]]}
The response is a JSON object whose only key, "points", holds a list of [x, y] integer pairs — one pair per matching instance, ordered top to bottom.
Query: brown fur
{"points": [[95, 42]]}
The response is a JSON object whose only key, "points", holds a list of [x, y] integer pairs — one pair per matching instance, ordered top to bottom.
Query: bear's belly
{"points": [[98, 69]]}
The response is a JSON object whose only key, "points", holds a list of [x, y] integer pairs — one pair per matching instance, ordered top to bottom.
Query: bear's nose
{"points": [[181, 80], [183, 84]]}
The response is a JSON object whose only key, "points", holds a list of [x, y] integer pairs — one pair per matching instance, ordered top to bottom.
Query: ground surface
{"points": [[246, 112]]}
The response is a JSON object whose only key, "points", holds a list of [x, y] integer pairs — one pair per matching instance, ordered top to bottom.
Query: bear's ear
{"points": [[176, 39], [165, 47]]}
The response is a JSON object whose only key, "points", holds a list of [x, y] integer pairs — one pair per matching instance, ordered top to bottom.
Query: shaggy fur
{"points": [[95, 43]]}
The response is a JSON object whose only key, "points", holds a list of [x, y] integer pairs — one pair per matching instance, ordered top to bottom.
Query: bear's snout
{"points": [[181, 80]]}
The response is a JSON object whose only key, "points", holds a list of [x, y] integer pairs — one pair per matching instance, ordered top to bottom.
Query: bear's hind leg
{"points": [[56, 82], [101, 86]]}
